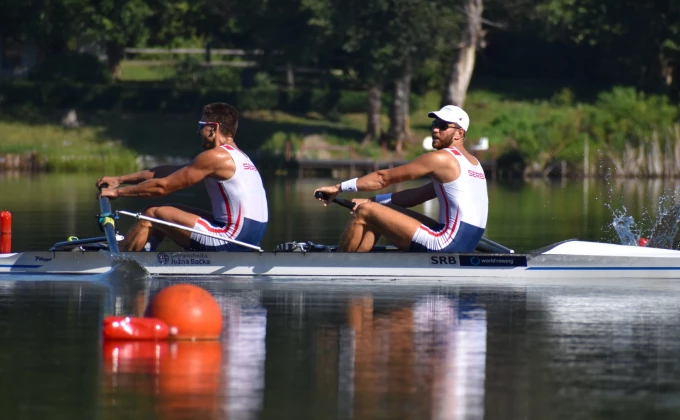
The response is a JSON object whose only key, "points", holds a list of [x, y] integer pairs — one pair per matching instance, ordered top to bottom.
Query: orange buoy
{"points": [[5, 232], [643, 242], [190, 311], [134, 328]]}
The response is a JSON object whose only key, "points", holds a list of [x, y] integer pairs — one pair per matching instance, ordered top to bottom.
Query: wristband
{"points": [[349, 186], [384, 198]]}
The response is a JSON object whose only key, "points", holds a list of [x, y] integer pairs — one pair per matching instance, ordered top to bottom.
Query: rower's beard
{"points": [[442, 143]]}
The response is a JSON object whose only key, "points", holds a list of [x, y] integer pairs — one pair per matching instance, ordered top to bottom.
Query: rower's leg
{"points": [[371, 220], [142, 231], [137, 236], [358, 237], [370, 238]]}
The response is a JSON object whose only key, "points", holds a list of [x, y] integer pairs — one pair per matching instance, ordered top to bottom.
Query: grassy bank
{"points": [[626, 131], [118, 142], [82, 149]]}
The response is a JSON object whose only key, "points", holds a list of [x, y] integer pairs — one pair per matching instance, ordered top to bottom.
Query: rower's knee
{"points": [[366, 210], [150, 211]]}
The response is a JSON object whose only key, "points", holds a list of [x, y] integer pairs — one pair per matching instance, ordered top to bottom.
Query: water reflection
{"points": [[365, 350], [366, 355], [180, 379], [184, 379]]}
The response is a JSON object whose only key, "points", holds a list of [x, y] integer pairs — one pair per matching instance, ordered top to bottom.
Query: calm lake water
{"points": [[467, 349]]}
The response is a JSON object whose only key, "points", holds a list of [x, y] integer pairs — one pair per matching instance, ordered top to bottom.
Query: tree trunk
{"points": [[114, 54], [464, 61], [667, 70], [290, 76], [399, 110], [373, 127]]}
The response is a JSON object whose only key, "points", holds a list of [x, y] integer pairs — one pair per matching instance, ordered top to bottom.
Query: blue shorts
{"points": [[251, 233], [440, 240]]}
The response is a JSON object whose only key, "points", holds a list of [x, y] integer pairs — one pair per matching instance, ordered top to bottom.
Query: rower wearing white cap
{"points": [[458, 182]]}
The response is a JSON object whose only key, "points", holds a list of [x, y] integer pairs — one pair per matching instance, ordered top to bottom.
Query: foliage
{"points": [[119, 22], [54, 26], [639, 42], [71, 67], [190, 73], [57, 95], [625, 115], [541, 133], [533, 137]]}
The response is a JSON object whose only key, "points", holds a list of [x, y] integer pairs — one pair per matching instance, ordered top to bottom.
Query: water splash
{"points": [[625, 228], [664, 228]]}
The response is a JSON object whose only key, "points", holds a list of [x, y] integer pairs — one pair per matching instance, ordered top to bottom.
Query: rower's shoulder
{"points": [[460, 152], [214, 156], [441, 156]]}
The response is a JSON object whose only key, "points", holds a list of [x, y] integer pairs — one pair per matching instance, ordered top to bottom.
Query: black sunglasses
{"points": [[442, 125]]}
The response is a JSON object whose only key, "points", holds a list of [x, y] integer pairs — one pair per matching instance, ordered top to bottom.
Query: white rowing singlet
{"points": [[241, 197], [463, 210]]}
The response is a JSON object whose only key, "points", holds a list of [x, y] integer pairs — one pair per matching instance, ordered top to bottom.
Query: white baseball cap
{"points": [[452, 114]]}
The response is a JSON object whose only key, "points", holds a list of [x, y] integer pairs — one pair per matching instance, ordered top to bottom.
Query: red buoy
{"points": [[5, 232], [643, 242], [190, 311], [134, 328]]}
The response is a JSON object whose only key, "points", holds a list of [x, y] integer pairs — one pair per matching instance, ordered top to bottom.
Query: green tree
{"points": [[118, 24], [53, 25], [292, 34], [384, 41], [639, 42]]}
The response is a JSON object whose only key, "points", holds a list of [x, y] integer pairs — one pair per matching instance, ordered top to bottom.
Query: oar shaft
{"points": [[108, 224], [188, 229]]}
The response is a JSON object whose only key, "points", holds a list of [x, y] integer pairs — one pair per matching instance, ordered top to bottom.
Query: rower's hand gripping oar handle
{"points": [[339, 201]]}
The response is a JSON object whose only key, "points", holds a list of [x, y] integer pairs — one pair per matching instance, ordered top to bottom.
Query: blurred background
{"points": [[554, 88], [574, 115]]}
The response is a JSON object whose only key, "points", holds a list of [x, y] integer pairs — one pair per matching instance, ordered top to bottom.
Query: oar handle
{"points": [[339, 201], [107, 224]]}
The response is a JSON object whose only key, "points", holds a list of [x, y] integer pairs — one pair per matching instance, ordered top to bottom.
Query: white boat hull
{"points": [[574, 259]]}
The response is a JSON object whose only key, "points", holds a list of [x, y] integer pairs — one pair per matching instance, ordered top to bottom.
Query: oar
{"points": [[107, 223], [188, 229], [486, 244], [491, 246]]}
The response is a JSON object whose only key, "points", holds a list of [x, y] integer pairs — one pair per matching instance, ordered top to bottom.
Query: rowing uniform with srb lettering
{"points": [[239, 208], [463, 210]]}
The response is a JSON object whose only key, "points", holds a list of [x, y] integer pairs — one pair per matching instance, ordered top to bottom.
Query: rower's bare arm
{"points": [[210, 163], [422, 166], [417, 168], [137, 177], [414, 196]]}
